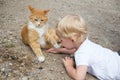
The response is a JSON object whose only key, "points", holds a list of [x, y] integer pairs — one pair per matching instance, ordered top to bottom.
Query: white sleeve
{"points": [[81, 58]]}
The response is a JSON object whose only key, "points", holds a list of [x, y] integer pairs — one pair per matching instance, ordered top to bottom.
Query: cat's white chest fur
{"points": [[40, 31]]}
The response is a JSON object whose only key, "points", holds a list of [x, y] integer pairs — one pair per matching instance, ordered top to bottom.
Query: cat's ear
{"points": [[31, 8], [46, 11]]}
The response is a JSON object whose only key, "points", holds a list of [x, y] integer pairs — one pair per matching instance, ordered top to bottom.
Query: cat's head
{"points": [[38, 17]]}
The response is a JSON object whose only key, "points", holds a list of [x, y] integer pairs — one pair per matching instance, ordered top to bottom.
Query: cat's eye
{"points": [[36, 19], [42, 20]]}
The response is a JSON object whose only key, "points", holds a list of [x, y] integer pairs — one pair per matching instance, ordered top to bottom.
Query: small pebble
{"points": [[6, 56], [14, 57], [54, 59], [36, 61], [10, 64], [23, 64], [40, 68], [3, 69], [51, 69], [62, 72], [24, 78], [62, 78]]}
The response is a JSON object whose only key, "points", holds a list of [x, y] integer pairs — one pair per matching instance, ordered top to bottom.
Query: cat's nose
{"points": [[39, 24]]}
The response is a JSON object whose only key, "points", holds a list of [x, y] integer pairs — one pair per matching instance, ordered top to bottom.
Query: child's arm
{"points": [[61, 50], [79, 73]]}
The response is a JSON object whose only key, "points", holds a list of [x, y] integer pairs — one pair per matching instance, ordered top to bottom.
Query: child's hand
{"points": [[52, 50], [58, 50], [61, 50], [68, 62]]}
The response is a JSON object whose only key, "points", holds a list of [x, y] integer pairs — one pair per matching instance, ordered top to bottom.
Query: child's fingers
{"points": [[49, 50], [52, 52], [67, 58], [63, 60], [67, 61]]}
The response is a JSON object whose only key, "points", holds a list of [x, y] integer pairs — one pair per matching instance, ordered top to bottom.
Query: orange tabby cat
{"points": [[37, 35]]}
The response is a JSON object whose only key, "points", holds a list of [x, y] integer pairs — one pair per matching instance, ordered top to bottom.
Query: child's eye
{"points": [[36, 19], [60, 41]]}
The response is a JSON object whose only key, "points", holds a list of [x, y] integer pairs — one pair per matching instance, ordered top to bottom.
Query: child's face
{"points": [[65, 42]]}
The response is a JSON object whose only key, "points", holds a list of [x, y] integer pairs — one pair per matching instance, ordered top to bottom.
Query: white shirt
{"points": [[102, 62]]}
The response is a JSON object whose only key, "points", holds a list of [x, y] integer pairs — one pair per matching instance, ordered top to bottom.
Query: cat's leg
{"points": [[24, 35], [52, 38], [54, 43], [34, 44], [37, 50]]}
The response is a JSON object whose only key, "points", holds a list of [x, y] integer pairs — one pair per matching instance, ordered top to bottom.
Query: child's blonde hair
{"points": [[73, 26]]}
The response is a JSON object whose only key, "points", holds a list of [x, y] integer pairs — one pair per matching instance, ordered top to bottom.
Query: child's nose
{"points": [[63, 46]]}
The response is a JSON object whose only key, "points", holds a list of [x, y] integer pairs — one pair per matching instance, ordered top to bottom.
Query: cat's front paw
{"points": [[56, 46], [41, 58]]}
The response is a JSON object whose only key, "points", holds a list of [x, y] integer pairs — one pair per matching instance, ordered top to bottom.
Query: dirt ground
{"points": [[17, 61]]}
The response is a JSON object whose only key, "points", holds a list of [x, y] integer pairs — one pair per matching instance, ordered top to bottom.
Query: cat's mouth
{"points": [[39, 26]]}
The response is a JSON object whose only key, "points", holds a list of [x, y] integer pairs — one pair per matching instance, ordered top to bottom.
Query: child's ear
{"points": [[31, 8]]}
